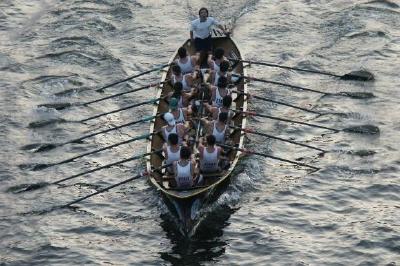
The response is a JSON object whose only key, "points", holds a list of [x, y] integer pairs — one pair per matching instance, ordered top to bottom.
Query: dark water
{"points": [[272, 213]]}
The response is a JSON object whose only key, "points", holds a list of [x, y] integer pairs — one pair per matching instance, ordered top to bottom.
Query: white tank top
{"points": [[186, 67], [216, 67], [217, 75], [185, 86], [218, 98], [180, 102], [229, 113], [181, 117], [166, 132], [219, 136], [172, 157], [209, 163], [183, 175]]}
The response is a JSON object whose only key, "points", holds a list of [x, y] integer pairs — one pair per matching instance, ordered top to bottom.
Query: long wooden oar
{"points": [[361, 75], [131, 77], [358, 95], [278, 102], [60, 106], [363, 129], [247, 130], [39, 147], [247, 151], [43, 166], [145, 173], [30, 187]]}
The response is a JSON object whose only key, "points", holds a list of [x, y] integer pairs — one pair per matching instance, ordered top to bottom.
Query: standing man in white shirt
{"points": [[200, 31]]}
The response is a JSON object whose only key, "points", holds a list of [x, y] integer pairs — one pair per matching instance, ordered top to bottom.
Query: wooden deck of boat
{"points": [[156, 142]]}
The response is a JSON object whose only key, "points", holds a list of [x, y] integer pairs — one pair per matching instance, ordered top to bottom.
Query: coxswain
{"points": [[200, 31], [186, 62], [222, 72], [186, 79], [219, 92], [225, 108], [180, 114], [173, 127], [217, 128], [171, 151], [209, 156], [185, 169]]}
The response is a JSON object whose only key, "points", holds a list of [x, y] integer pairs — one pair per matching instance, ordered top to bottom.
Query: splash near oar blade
{"points": [[360, 75], [363, 129]]}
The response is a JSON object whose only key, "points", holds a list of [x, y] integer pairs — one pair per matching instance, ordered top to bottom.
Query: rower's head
{"points": [[203, 12], [182, 53], [219, 53], [224, 66], [176, 70], [222, 82], [178, 87], [227, 101], [173, 104], [223, 117], [169, 119], [173, 139], [211, 140], [185, 153]]}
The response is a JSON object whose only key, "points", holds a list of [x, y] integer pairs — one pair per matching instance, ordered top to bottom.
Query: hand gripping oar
{"points": [[354, 75], [131, 77], [357, 95], [60, 106], [363, 129], [247, 130], [49, 146], [246, 151], [43, 166], [30, 187]]}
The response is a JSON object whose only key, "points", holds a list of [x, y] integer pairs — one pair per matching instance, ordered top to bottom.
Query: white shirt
{"points": [[202, 29]]}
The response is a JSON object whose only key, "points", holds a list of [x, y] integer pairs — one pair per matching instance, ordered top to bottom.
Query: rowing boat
{"points": [[187, 203]]}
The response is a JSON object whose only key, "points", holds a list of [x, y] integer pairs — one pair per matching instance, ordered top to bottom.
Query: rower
{"points": [[218, 58], [185, 61], [205, 62], [222, 72], [187, 79], [219, 92], [183, 97], [226, 108], [180, 114], [173, 127], [218, 128], [171, 151], [209, 156], [185, 169]]}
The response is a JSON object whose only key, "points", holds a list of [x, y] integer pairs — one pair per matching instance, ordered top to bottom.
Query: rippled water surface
{"points": [[272, 213]]}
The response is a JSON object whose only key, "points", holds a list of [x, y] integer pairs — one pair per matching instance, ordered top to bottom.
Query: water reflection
{"points": [[206, 245]]}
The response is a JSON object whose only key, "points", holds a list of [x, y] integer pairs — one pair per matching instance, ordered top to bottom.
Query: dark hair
{"points": [[203, 8], [182, 52], [219, 53], [224, 66], [176, 69], [222, 82], [178, 86], [227, 101], [223, 117], [173, 138], [211, 140], [185, 152]]}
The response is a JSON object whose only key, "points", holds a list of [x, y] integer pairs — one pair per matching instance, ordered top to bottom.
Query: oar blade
{"points": [[360, 75], [57, 106], [43, 123], [363, 129], [39, 147], [27, 187]]}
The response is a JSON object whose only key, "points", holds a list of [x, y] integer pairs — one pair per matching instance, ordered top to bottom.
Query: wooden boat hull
{"points": [[186, 203]]}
